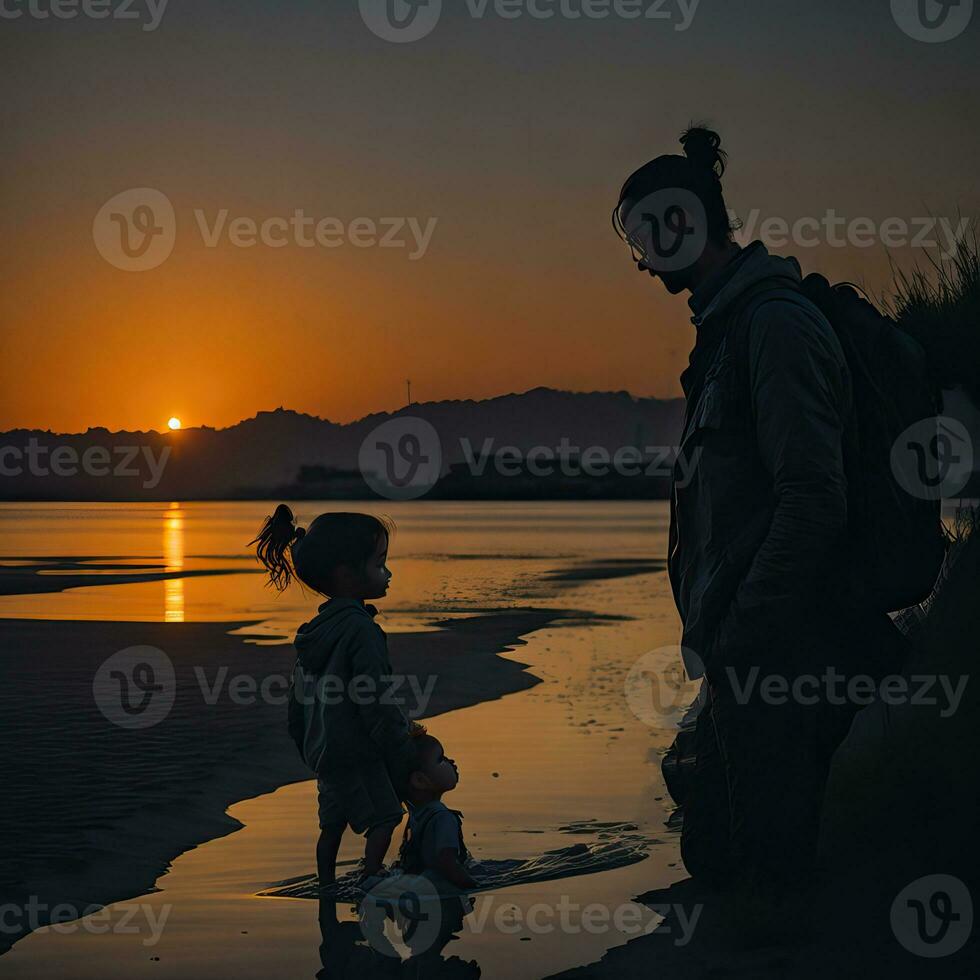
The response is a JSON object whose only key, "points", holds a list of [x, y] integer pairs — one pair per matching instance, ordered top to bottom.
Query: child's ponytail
{"points": [[275, 543]]}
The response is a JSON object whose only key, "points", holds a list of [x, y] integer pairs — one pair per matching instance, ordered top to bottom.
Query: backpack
{"points": [[897, 539]]}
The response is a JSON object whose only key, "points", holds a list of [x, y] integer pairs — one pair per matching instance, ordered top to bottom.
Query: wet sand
{"points": [[42, 575], [541, 769], [96, 812]]}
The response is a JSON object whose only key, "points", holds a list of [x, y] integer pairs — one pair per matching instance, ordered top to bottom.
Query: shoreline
{"points": [[106, 828]]}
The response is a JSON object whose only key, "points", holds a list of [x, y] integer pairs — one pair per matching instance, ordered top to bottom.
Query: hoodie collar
{"points": [[751, 266], [715, 297], [335, 605], [316, 640]]}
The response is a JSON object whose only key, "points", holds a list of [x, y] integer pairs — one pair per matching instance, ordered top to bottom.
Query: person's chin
{"points": [[673, 286]]}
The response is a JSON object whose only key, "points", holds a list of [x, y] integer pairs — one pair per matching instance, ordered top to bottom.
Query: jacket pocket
{"points": [[713, 412]]}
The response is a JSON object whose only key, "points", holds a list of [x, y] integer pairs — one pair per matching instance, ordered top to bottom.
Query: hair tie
{"points": [[299, 534]]}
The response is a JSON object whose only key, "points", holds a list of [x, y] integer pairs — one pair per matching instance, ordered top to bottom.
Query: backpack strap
{"points": [[737, 339], [411, 846], [410, 851], [464, 854]]}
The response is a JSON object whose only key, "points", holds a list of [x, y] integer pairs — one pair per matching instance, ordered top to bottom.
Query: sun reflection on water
{"points": [[173, 554]]}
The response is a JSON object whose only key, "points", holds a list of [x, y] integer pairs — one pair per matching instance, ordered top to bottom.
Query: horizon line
{"points": [[319, 418]]}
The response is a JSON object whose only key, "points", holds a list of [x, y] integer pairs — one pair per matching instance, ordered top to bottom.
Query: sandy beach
{"points": [[518, 733], [109, 809], [196, 821]]}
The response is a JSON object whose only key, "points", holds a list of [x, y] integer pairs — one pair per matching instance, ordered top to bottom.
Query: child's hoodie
{"points": [[335, 723]]}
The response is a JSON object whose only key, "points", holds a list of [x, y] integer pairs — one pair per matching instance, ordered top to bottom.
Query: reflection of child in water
{"points": [[433, 843], [345, 956]]}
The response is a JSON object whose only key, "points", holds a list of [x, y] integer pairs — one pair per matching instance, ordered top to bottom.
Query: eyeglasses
{"points": [[638, 249]]}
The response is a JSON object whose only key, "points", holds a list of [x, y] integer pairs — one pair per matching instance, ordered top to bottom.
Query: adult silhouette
{"points": [[758, 533]]}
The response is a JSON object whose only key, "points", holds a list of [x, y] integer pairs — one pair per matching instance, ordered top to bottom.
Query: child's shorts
{"points": [[363, 798]]}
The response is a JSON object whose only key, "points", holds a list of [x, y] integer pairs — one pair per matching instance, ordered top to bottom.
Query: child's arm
{"points": [[296, 714], [386, 723], [447, 864]]}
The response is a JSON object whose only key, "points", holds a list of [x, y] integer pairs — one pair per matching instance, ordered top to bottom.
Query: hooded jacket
{"points": [[759, 495], [341, 713]]}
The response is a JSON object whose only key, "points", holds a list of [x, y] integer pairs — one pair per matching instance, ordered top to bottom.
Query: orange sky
{"points": [[515, 138]]}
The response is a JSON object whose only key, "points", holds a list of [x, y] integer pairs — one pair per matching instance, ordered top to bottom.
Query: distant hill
{"points": [[284, 453]]}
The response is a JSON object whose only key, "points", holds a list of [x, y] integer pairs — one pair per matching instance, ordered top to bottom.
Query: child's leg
{"points": [[333, 823], [376, 847], [326, 855]]}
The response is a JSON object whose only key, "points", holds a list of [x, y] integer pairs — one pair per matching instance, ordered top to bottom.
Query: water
{"points": [[445, 557], [565, 751]]}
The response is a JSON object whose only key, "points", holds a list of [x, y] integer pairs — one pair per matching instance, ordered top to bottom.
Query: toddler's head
{"points": [[339, 555], [433, 772]]}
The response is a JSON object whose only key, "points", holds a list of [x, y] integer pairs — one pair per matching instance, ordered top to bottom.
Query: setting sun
{"points": [[174, 424]]}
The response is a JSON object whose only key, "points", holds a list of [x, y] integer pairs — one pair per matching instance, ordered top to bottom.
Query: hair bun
{"points": [[702, 146]]}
